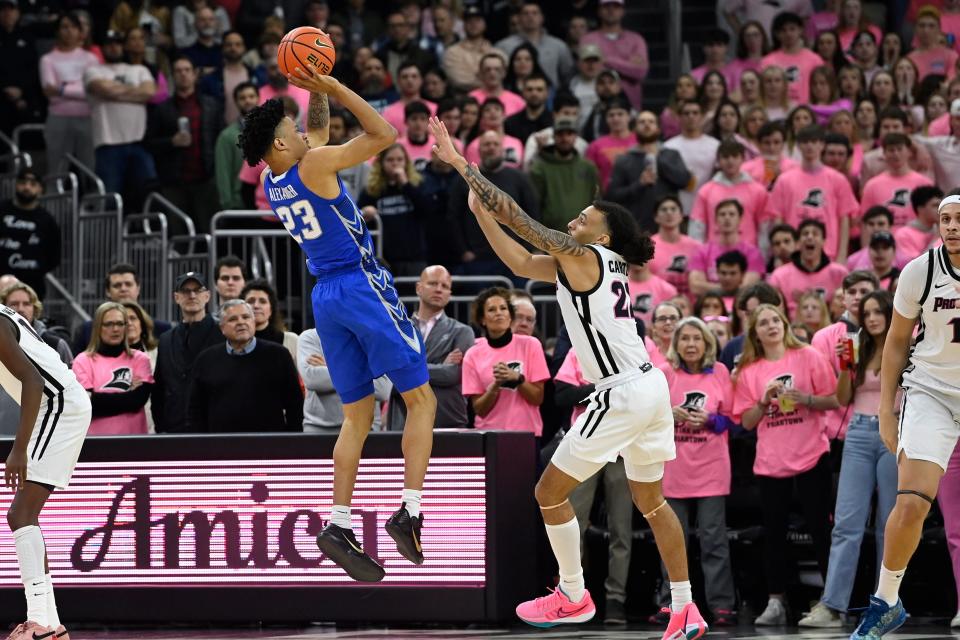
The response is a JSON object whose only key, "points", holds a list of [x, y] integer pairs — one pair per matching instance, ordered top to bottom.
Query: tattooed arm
{"points": [[318, 120], [520, 261]]}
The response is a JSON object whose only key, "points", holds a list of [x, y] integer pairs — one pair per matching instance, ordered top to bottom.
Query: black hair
{"points": [[72, 18], [784, 18], [233, 32], [715, 35], [742, 51], [180, 57], [406, 64], [437, 71], [538, 75], [510, 80], [245, 85], [564, 98], [492, 101], [447, 104], [415, 107], [893, 113], [767, 129], [259, 130], [811, 133], [837, 138], [896, 140], [729, 148], [922, 195], [670, 197], [729, 202], [875, 211], [811, 222], [783, 227], [626, 238], [733, 257], [229, 261], [119, 269], [763, 292], [714, 294], [276, 317], [868, 344]]}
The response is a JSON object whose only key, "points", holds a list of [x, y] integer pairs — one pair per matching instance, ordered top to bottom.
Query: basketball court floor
{"points": [[915, 631]]}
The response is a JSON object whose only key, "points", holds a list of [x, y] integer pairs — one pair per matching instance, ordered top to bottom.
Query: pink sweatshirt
{"points": [[625, 53], [65, 69], [893, 192], [751, 195], [646, 295], [102, 374]]}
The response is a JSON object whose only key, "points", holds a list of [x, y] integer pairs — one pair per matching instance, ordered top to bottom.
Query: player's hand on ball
{"points": [[313, 81], [443, 148], [888, 430], [15, 471]]}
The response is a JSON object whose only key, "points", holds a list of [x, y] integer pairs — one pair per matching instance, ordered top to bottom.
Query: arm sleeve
{"points": [[48, 75], [672, 169], [623, 187], [83, 370], [821, 374], [314, 378], [471, 382], [569, 395], [112, 404]]}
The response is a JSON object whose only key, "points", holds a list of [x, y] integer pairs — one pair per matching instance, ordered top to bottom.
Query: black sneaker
{"points": [[405, 531], [340, 545], [615, 614]]}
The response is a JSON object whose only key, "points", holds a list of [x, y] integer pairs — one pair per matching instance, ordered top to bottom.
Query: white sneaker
{"points": [[774, 615], [821, 617], [955, 623]]}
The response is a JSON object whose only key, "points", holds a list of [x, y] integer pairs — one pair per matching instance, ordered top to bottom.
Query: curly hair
{"points": [[259, 130], [626, 237]]}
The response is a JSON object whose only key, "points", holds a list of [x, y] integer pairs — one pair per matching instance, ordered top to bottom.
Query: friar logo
{"points": [[793, 73], [814, 198], [901, 198], [678, 264], [642, 303], [516, 365], [122, 379], [787, 380], [694, 400], [247, 542]]}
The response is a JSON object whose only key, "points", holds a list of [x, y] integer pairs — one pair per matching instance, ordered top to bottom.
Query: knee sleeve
{"points": [[911, 492]]}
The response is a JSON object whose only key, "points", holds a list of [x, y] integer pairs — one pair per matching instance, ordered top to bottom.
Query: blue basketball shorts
{"points": [[365, 333]]}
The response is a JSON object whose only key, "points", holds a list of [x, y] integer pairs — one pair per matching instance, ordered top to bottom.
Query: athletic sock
{"points": [[411, 500], [340, 516], [565, 542], [30, 554], [888, 589], [681, 594], [53, 616]]}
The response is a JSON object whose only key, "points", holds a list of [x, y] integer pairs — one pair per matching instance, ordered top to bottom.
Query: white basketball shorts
{"points": [[929, 425], [58, 437]]}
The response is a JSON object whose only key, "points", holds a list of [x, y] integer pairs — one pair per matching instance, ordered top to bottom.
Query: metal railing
{"points": [[675, 46], [18, 132], [70, 163], [60, 198], [167, 208], [99, 238], [144, 245], [460, 304]]}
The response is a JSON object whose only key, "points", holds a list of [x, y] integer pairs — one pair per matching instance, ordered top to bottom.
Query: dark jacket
{"points": [[162, 124], [625, 187], [446, 335], [176, 354]]}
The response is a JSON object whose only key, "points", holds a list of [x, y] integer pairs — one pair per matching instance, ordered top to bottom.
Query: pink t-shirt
{"points": [[939, 59], [798, 67], [65, 69], [512, 103], [393, 113], [512, 151], [604, 151], [420, 153], [766, 171], [251, 175], [893, 192], [823, 194], [751, 195], [912, 241], [705, 259], [859, 260], [671, 261], [793, 281], [646, 295], [825, 341], [571, 373], [102, 374], [511, 411], [788, 444], [702, 466]]}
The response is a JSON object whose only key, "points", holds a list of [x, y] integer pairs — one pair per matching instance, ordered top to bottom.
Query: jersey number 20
{"points": [[309, 225]]}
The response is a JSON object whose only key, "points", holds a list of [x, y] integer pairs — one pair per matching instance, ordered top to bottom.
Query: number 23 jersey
{"points": [[331, 232], [929, 288], [600, 323]]}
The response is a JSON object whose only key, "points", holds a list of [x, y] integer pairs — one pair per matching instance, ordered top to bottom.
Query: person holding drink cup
{"points": [[783, 388], [867, 464]]}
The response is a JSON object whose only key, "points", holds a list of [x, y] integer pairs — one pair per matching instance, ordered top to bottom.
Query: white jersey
{"points": [[929, 288], [600, 322], [57, 377]]}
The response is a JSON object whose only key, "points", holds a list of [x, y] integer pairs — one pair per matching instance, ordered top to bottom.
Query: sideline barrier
{"points": [[207, 528]]}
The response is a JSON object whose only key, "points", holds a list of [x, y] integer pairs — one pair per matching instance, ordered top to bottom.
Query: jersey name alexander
{"points": [[286, 192]]}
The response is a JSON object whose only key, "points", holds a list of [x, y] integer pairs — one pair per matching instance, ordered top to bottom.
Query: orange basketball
{"points": [[306, 46]]}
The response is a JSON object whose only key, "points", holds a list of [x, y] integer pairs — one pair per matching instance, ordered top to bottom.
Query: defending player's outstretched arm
{"points": [[500, 204], [520, 261]]}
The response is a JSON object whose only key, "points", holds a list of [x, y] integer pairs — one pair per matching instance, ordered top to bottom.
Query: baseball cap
{"points": [[473, 11], [113, 36], [589, 51], [610, 72], [955, 107], [565, 124], [27, 172], [882, 239], [184, 278]]}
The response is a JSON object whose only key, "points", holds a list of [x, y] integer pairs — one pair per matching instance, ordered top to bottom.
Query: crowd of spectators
{"points": [[786, 182]]}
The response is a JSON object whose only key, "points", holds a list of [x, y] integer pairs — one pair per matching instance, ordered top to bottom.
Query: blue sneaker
{"points": [[879, 619]]}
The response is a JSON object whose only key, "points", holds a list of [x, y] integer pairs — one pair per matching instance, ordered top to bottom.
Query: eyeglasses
{"points": [[192, 292], [667, 319], [716, 319], [115, 324]]}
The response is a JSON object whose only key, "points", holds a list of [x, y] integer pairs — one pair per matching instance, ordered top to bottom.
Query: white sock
{"points": [[411, 500], [340, 516], [565, 542], [30, 554], [888, 588], [681, 594], [53, 617]]}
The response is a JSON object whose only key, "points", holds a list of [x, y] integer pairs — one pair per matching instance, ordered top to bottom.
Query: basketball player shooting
{"points": [[363, 327], [629, 414], [54, 417], [923, 439]]}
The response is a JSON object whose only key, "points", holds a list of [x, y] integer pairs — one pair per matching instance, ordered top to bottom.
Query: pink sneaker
{"points": [[555, 609], [686, 625], [30, 630], [62, 633]]}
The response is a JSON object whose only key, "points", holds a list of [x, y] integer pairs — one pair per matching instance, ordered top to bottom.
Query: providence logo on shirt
{"points": [[122, 379]]}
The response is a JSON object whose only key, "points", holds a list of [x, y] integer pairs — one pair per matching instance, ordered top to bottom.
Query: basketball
{"points": [[306, 46]]}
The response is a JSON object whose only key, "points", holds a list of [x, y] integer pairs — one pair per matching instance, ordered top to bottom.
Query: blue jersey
{"points": [[331, 232]]}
